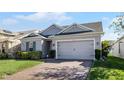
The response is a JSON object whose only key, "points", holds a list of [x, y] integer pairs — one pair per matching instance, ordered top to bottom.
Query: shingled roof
{"points": [[74, 28], [6, 32]]}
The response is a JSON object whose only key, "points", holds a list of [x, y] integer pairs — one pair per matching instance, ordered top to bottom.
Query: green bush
{"points": [[105, 52], [52, 53], [35, 54], [97, 54], [3, 55], [18, 55], [25, 55], [28, 55]]}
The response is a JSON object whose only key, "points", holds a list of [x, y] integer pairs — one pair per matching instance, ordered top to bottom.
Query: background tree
{"points": [[118, 24], [105, 44]]}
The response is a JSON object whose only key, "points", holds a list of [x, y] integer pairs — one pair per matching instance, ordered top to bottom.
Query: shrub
{"points": [[105, 52], [52, 53], [35, 54], [97, 54], [18, 55], [25, 55], [28, 55], [3, 56]]}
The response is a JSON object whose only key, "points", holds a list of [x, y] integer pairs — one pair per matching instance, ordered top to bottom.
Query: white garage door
{"points": [[75, 49]]}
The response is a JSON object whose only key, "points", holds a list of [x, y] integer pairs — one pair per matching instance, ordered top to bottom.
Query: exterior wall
{"points": [[97, 39], [39, 43], [6, 44], [14, 46], [0, 47], [11, 47], [115, 49], [122, 50]]}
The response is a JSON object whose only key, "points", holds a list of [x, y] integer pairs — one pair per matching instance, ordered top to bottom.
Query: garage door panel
{"points": [[76, 49]]}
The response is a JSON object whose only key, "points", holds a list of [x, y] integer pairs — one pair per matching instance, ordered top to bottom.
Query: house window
{"points": [[27, 46], [34, 46], [30, 49]]}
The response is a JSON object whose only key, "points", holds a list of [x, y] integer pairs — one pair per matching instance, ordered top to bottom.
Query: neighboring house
{"points": [[5, 40], [10, 41], [76, 41], [118, 48]]}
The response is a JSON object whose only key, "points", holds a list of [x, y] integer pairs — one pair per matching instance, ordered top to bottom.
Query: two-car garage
{"points": [[75, 49]]}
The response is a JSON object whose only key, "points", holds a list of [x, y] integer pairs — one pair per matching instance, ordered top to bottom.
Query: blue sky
{"points": [[22, 21]]}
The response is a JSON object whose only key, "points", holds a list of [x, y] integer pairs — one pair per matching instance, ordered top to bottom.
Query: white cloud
{"points": [[44, 16], [9, 21]]}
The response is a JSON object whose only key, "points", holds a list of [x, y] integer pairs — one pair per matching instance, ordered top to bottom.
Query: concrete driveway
{"points": [[55, 70]]}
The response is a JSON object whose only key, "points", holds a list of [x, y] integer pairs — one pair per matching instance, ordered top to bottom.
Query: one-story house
{"points": [[76, 41], [118, 48]]}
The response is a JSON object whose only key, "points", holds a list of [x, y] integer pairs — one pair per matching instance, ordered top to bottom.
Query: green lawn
{"points": [[8, 67], [111, 69]]}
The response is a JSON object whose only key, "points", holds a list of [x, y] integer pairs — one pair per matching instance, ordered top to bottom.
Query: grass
{"points": [[9, 67], [111, 69]]}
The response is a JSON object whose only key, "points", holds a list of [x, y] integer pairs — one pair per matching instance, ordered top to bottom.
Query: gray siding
{"points": [[51, 30], [38, 41], [116, 51]]}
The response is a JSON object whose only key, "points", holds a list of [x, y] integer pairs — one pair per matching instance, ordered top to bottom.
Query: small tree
{"points": [[118, 24], [105, 44], [105, 48]]}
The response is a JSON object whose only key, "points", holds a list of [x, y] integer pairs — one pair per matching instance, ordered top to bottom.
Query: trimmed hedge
{"points": [[101, 53], [52, 54], [97, 54], [3, 55], [28, 55], [35, 55]]}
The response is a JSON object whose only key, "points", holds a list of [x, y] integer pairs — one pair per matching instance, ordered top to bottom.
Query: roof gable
{"points": [[75, 28], [52, 30], [38, 35]]}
